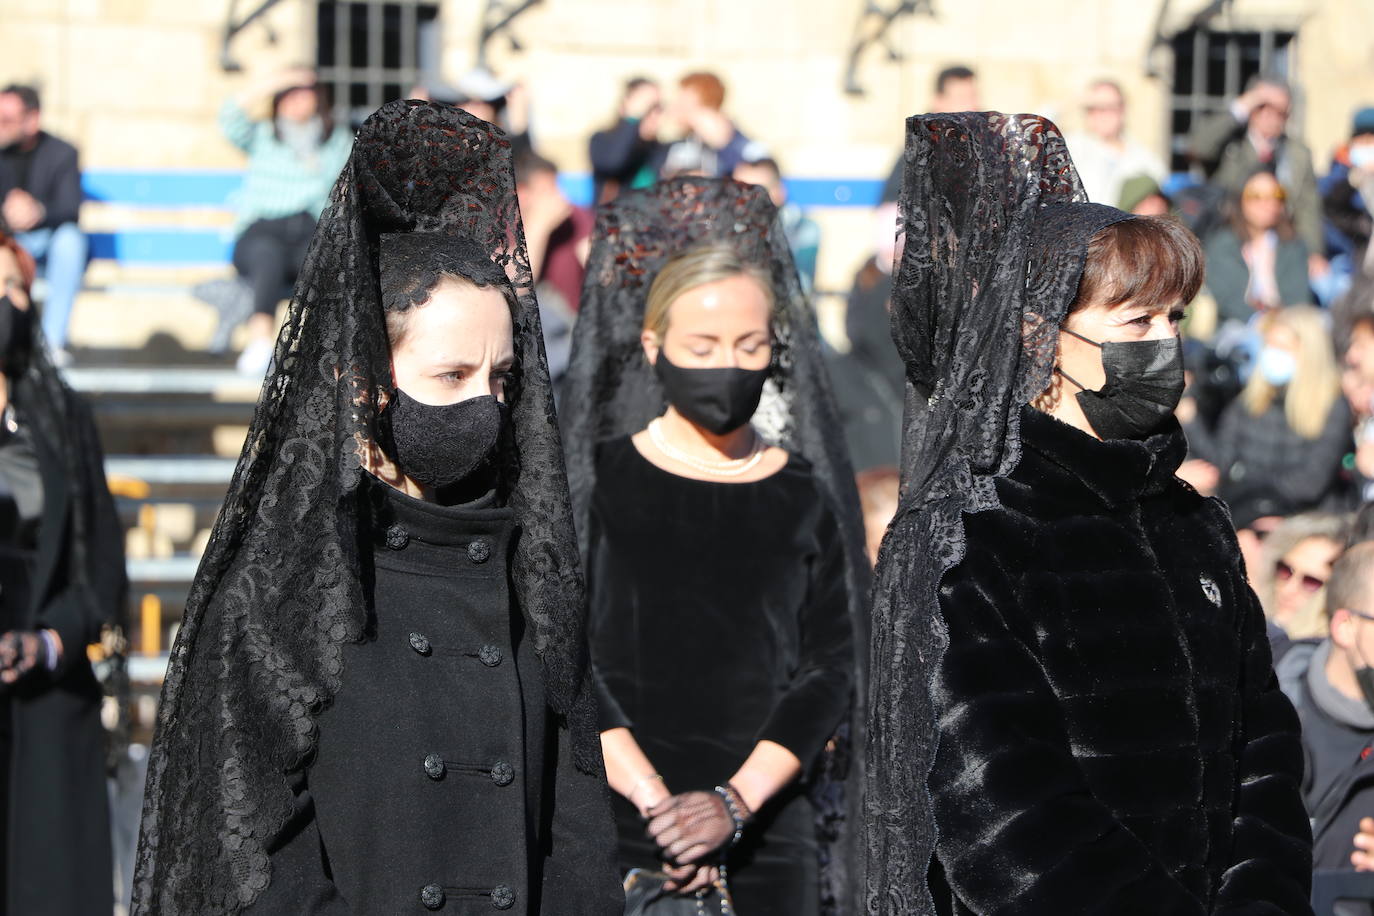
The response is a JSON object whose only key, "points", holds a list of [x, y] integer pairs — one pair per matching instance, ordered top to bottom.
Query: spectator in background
{"points": [[956, 89], [501, 102], [711, 145], [1233, 145], [628, 153], [1104, 155], [293, 158], [40, 180], [1142, 195], [1348, 196], [803, 233], [558, 237], [1257, 261], [869, 379], [1277, 449], [878, 499], [1294, 567], [62, 583], [1331, 685]]}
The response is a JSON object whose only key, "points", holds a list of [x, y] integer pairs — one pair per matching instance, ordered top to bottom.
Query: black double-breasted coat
{"points": [[1112, 737], [440, 783]]}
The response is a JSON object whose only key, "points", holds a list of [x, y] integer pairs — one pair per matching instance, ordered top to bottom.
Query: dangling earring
{"points": [[1048, 400]]}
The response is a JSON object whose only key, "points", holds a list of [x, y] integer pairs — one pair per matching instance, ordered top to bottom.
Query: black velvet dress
{"points": [[719, 618], [427, 788]]}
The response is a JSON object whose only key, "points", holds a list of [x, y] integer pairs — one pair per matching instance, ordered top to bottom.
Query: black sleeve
{"points": [[612, 151], [892, 188], [61, 192], [1340, 210], [1314, 475], [77, 611], [610, 714], [806, 715], [1016, 817], [1270, 870], [300, 882]]}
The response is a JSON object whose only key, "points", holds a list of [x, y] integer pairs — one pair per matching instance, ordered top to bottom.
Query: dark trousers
{"points": [[269, 254]]}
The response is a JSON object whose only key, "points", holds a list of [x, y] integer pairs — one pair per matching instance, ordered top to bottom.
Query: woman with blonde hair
{"points": [[1277, 449], [726, 578]]}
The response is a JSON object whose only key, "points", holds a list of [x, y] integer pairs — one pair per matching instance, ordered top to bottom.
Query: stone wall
{"points": [[137, 82]]}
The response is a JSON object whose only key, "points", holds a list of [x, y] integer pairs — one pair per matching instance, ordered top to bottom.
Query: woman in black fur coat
{"points": [[1110, 738]]}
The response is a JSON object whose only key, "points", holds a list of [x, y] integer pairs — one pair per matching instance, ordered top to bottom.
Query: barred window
{"points": [[370, 52], [1211, 68]]}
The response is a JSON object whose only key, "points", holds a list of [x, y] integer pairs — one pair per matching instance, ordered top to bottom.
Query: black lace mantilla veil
{"points": [[996, 235], [612, 391], [279, 590]]}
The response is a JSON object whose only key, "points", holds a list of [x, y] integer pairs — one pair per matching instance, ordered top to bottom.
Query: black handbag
{"points": [[645, 896]]}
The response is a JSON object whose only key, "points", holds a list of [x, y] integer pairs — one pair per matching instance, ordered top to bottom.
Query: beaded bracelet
{"points": [[739, 811]]}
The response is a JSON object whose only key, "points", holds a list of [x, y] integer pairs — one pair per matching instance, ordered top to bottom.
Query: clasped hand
{"points": [[21, 652], [689, 828]]}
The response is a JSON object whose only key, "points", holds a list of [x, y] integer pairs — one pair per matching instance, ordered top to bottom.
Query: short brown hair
{"points": [[707, 86], [1147, 260]]}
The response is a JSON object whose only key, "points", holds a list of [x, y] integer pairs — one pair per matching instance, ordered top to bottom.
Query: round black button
{"points": [[397, 537], [479, 551], [419, 643], [490, 655], [434, 766], [503, 774], [432, 896], [502, 897]]}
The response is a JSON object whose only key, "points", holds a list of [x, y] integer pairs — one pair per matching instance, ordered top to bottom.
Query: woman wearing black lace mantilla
{"points": [[725, 565], [377, 701], [1073, 708]]}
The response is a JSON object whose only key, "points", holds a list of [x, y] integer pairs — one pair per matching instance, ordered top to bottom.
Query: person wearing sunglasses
{"points": [[1232, 145], [1257, 260], [1297, 561], [1331, 683]]}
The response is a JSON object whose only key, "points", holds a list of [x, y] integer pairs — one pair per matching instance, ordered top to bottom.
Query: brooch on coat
{"points": [[1210, 589]]}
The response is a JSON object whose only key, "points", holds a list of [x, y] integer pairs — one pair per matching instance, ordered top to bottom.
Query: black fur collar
{"points": [[1117, 471]]}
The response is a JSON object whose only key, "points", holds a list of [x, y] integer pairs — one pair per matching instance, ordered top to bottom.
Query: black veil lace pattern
{"points": [[995, 238], [611, 391], [280, 589]]}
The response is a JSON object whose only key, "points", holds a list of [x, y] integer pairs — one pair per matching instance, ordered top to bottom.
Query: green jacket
{"points": [[1228, 157]]}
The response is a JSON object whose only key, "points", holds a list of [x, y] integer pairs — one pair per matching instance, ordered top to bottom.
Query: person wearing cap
{"points": [[501, 102], [294, 155], [1348, 198]]}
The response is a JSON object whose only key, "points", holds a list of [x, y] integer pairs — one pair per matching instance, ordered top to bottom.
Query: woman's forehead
{"points": [[730, 302], [461, 319]]}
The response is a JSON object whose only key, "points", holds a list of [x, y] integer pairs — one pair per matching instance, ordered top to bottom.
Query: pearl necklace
{"points": [[734, 467]]}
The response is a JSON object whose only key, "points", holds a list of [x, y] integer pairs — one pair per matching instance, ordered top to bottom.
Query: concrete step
{"points": [[216, 384], [157, 470]]}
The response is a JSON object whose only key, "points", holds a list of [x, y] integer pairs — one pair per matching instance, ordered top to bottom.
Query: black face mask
{"points": [[15, 337], [1144, 385], [717, 400], [440, 445]]}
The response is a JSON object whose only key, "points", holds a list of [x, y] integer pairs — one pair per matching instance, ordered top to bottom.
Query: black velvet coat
{"points": [[1112, 737]]}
